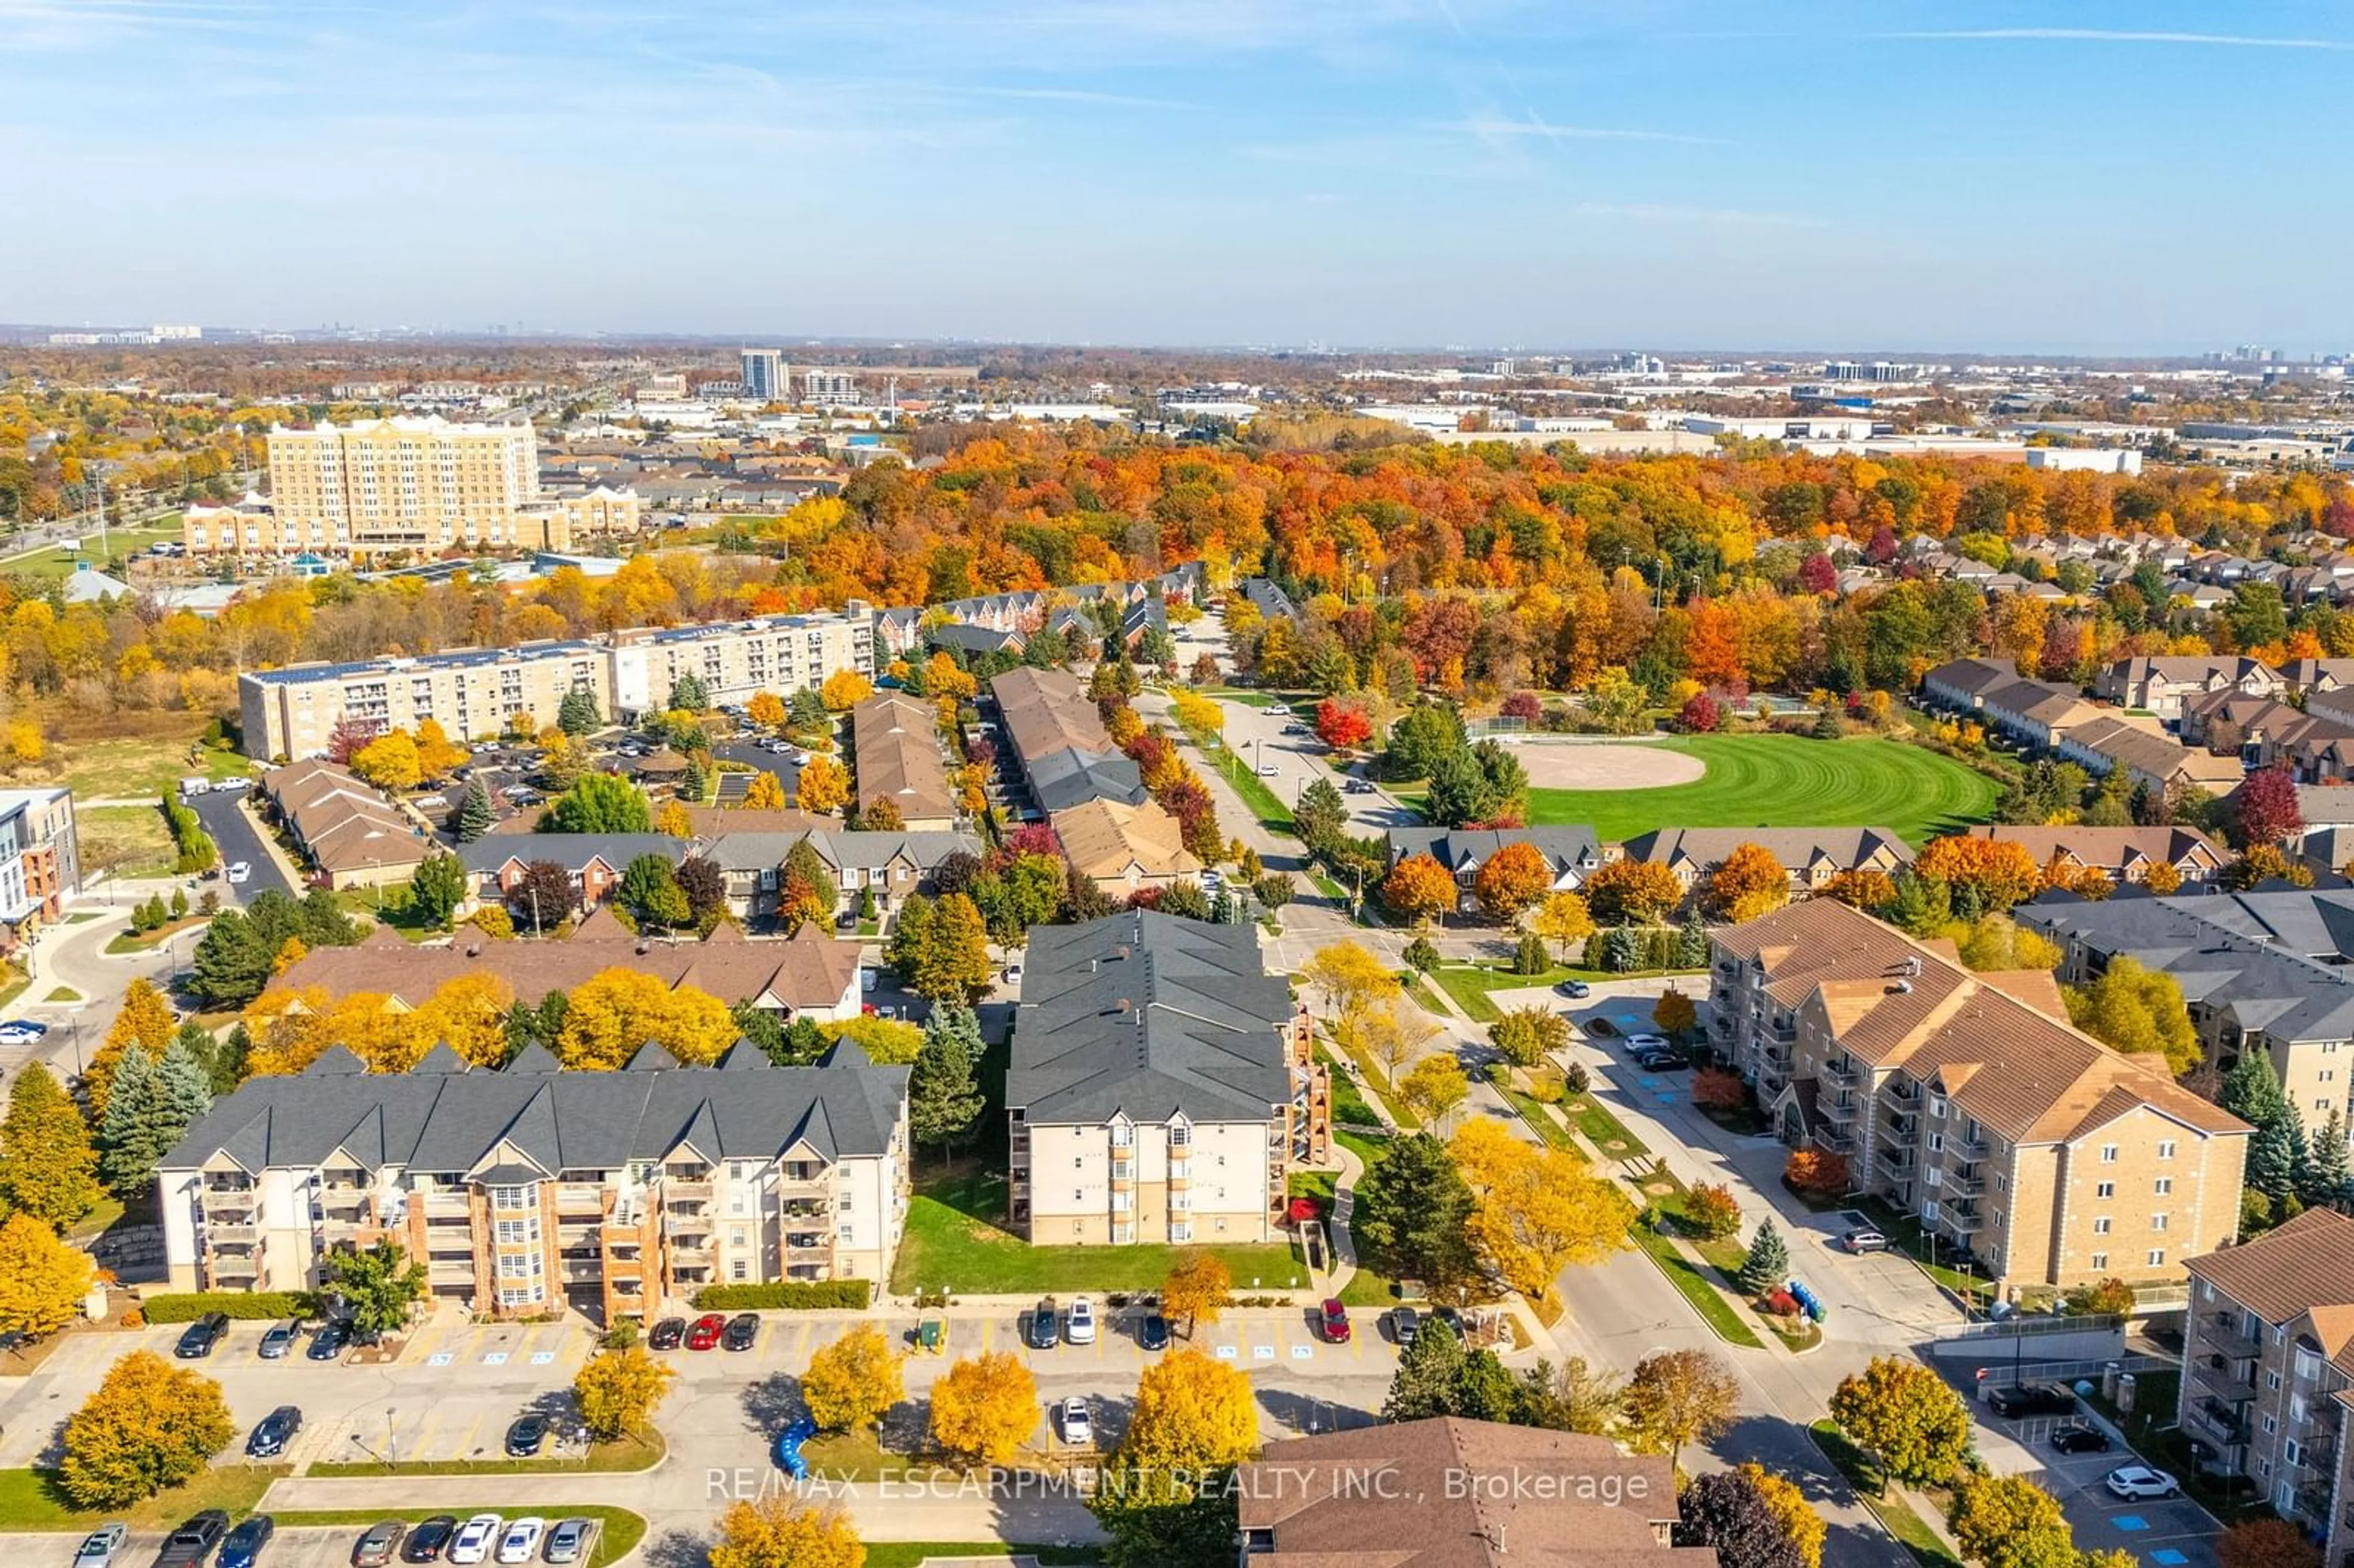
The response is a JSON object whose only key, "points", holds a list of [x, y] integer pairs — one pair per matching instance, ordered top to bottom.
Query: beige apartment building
{"points": [[407, 484], [481, 693], [1162, 1085], [1968, 1100], [529, 1189], [2268, 1372]]}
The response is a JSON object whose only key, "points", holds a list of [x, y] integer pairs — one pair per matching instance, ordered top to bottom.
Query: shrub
{"points": [[1419, 954], [1575, 1079], [1719, 1089], [1713, 1211], [789, 1295], [2111, 1296], [1782, 1304], [244, 1306]]}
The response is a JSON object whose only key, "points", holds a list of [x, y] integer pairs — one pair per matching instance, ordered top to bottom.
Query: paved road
{"points": [[1256, 735], [787, 772], [238, 837]]}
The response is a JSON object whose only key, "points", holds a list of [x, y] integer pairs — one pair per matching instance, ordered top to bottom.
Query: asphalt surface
{"points": [[239, 838]]}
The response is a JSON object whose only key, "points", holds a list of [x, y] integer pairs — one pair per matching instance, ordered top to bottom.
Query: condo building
{"points": [[407, 484], [482, 693], [1162, 1085], [2032, 1150], [529, 1189]]}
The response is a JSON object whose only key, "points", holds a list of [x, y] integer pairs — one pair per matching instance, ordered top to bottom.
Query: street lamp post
{"points": [[391, 1438]]}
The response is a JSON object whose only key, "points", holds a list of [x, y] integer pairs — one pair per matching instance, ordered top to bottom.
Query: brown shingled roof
{"points": [[2293, 1268]]}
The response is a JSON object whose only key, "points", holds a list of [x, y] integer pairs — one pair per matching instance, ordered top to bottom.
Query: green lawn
{"points": [[137, 768], [1786, 780], [130, 840], [1469, 984], [953, 1240], [1709, 1302], [632, 1453], [29, 1499], [1911, 1531], [618, 1533]]}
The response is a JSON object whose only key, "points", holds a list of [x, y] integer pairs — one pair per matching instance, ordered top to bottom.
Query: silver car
{"points": [[567, 1543], [99, 1547]]}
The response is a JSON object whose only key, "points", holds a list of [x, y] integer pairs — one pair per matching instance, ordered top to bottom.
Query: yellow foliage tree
{"points": [[942, 678], [844, 690], [765, 709], [437, 755], [389, 761], [824, 786], [765, 793], [674, 820], [1747, 883], [1418, 887], [1563, 920], [614, 1012], [468, 1013], [145, 1020], [1536, 1213], [42, 1280], [1197, 1289], [853, 1380], [617, 1391], [985, 1408], [1191, 1413], [149, 1426], [1791, 1509], [785, 1532]]}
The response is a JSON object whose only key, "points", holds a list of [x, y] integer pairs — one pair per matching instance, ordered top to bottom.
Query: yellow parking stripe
{"points": [[988, 1332], [422, 1347], [425, 1430], [466, 1443]]}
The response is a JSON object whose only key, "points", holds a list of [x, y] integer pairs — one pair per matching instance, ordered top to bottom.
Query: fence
{"points": [[2089, 1323]]}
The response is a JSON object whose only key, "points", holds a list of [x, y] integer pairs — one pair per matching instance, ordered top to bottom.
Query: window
{"points": [[1937, 1108], [1181, 1135], [1122, 1136], [1937, 1143], [2165, 1150], [2108, 1154], [2165, 1185], [2105, 1190], [511, 1197], [2158, 1222], [2101, 1225], [843, 1232], [514, 1233], [2157, 1257], [2100, 1260], [736, 1270], [2308, 1366], [2271, 1383], [2284, 1497]]}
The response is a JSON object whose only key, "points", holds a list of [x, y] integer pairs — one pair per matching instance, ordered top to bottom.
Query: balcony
{"points": [[1779, 1055], [1851, 1072], [1902, 1093], [1840, 1113], [1902, 1125], [1839, 1142], [1971, 1146], [1896, 1162], [1966, 1184], [677, 1189], [578, 1198], [228, 1200], [1960, 1220], [681, 1225], [231, 1236], [244, 1265], [2219, 1332], [2223, 1381], [2218, 1423], [2318, 1460]]}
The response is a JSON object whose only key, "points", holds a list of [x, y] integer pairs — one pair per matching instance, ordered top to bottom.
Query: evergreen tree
{"points": [[688, 693], [577, 713], [693, 784], [476, 816], [1691, 944], [2252, 1091], [944, 1096], [127, 1150], [2300, 1153], [2272, 1159], [2326, 1171], [1767, 1267], [1423, 1384]]}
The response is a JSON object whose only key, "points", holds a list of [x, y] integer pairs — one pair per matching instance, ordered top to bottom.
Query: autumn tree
{"points": [[844, 690], [765, 709], [1342, 725], [438, 755], [389, 762], [824, 788], [765, 792], [2265, 810], [1997, 872], [1515, 878], [1745, 883], [1419, 888], [1861, 888], [1636, 891], [543, 894], [1563, 920], [2137, 1011], [614, 1012], [1675, 1014], [144, 1019], [1526, 1035], [1433, 1089], [48, 1168], [1536, 1213], [43, 1281], [1198, 1287], [852, 1382], [617, 1391], [1677, 1397], [985, 1408], [1191, 1413], [1906, 1417], [149, 1428], [1728, 1512], [2008, 1521], [1800, 1524], [783, 1531], [2267, 1542]]}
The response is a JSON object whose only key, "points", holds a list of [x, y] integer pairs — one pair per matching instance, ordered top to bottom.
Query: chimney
{"points": [[474, 949]]}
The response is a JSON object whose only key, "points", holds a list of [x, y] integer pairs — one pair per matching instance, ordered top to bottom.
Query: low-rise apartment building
{"points": [[2162, 683], [481, 694], [2055, 720], [2265, 732], [895, 748], [352, 835], [1125, 849], [40, 854], [1571, 854], [2126, 855], [497, 865], [892, 865], [2259, 972], [1162, 1085], [1967, 1099], [529, 1189], [2268, 1372]]}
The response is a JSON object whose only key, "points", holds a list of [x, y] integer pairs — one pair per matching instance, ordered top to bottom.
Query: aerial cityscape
{"points": [[1077, 783]]}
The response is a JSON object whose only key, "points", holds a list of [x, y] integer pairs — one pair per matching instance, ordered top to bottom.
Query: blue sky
{"points": [[1835, 175]]}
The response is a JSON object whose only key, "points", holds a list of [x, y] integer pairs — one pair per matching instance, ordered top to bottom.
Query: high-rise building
{"points": [[765, 375], [829, 387]]}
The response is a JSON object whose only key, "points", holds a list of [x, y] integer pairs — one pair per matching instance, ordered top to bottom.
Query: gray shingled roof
{"points": [[1149, 1015], [451, 1121]]}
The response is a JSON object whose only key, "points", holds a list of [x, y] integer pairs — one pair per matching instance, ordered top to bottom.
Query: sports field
{"points": [[1785, 781]]}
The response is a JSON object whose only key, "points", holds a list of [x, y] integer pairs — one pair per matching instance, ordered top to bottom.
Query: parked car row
{"points": [[713, 1330], [328, 1340]]}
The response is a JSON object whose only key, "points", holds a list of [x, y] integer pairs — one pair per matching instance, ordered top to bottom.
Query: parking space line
{"points": [[988, 1332], [423, 1345], [423, 1440], [466, 1443]]}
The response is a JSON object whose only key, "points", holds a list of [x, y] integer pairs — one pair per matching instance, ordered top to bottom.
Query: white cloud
{"points": [[2120, 35], [1495, 131]]}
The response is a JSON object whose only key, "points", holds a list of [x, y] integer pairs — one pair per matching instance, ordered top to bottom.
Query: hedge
{"points": [[792, 1295], [246, 1306]]}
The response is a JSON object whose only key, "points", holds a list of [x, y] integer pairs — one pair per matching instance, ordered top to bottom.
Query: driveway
{"points": [[1256, 735], [239, 839], [2170, 1532]]}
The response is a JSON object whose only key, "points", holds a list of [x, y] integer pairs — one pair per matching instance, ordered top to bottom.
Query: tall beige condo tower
{"points": [[403, 484]]}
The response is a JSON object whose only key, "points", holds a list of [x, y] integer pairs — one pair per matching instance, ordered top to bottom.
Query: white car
{"points": [[1266, 770], [231, 786], [240, 872], [1014, 974], [1645, 1041], [1079, 1322], [1077, 1427], [2141, 1481], [474, 1538], [522, 1540]]}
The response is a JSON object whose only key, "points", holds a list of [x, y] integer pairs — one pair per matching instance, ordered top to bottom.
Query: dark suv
{"points": [[1045, 1325], [199, 1337], [2031, 1398], [193, 1542]]}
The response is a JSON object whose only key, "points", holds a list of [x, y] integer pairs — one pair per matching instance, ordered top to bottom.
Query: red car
{"points": [[1332, 1323], [704, 1334]]}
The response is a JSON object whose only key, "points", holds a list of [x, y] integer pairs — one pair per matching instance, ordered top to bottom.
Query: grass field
{"points": [[1787, 781], [128, 840], [952, 1242], [30, 1499]]}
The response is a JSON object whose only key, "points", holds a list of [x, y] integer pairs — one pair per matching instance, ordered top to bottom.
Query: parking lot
{"points": [[239, 838], [457, 1385], [2170, 1532]]}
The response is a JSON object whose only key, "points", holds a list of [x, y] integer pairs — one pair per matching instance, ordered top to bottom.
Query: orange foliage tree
{"points": [[1515, 878]]}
